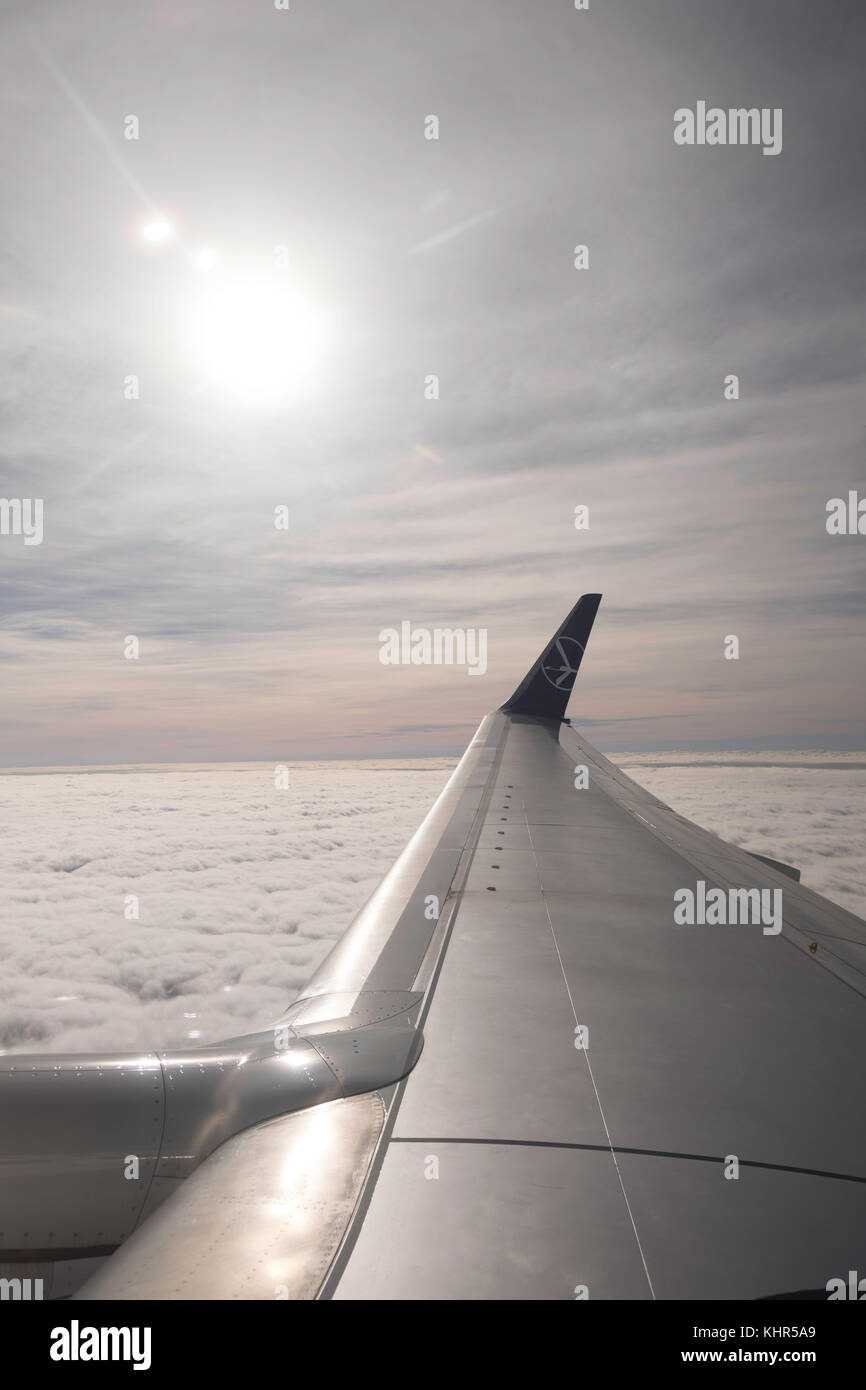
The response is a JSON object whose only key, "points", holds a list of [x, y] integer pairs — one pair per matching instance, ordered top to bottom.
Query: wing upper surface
{"points": [[604, 1165]]}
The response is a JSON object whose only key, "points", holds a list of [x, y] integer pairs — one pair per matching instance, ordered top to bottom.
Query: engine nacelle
{"points": [[92, 1145]]}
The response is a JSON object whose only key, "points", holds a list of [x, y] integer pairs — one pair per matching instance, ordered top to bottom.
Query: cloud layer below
{"points": [[242, 888]]}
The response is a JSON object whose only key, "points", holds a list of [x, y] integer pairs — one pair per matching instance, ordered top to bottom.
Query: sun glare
{"points": [[157, 232], [205, 258], [257, 338]]}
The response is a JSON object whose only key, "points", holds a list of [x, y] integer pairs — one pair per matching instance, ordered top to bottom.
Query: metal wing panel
{"points": [[832, 937], [695, 1054], [261, 1219], [498, 1222]]}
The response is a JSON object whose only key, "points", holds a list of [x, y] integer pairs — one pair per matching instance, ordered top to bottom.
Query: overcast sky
{"points": [[406, 257]]}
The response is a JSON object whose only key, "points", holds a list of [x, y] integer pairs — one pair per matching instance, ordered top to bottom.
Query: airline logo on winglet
{"points": [[563, 662], [543, 693]]}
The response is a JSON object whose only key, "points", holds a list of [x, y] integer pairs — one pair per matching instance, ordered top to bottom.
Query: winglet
{"points": [[543, 693]]}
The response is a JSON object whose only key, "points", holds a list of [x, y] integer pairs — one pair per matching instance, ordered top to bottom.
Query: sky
{"points": [[281, 260], [164, 905]]}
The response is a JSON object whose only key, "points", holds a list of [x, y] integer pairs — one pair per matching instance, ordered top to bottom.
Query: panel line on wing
{"points": [[588, 1063], [717, 1159]]}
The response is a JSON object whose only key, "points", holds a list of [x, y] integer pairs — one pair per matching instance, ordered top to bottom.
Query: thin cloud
{"points": [[451, 233]]}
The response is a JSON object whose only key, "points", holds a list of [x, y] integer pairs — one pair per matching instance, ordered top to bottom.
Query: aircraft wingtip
{"points": [[544, 691]]}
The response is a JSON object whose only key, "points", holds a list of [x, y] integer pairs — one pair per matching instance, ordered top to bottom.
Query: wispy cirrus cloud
{"points": [[556, 387]]}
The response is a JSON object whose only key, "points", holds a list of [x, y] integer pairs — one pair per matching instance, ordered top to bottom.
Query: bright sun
{"points": [[258, 338]]}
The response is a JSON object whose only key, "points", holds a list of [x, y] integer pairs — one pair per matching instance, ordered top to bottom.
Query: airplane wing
{"points": [[523, 1073]]}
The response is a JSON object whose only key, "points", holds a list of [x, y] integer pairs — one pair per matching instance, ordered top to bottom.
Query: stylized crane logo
{"points": [[563, 659]]}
